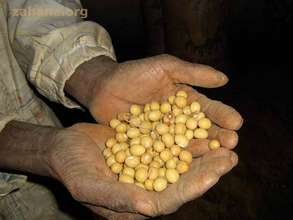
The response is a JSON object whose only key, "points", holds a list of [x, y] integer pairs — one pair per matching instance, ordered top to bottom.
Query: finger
{"points": [[192, 74], [223, 115], [227, 138], [198, 147], [220, 153], [203, 174], [188, 188], [112, 215]]}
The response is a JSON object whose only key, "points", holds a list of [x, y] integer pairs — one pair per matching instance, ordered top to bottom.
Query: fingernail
{"points": [[222, 77], [234, 158]]}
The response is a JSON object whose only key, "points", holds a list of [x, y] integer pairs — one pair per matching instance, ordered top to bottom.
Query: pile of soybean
{"points": [[149, 146]]}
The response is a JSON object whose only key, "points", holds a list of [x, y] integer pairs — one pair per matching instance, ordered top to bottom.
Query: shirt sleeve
{"points": [[50, 41]]}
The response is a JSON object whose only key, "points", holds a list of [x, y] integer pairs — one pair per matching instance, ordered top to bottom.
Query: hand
{"points": [[156, 78], [76, 160]]}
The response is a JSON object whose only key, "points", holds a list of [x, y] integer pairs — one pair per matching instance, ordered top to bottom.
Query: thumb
{"points": [[192, 74], [120, 197]]}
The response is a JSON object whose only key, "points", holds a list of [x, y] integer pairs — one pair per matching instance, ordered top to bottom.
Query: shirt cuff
{"points": [[58, 54], [5, 119]]}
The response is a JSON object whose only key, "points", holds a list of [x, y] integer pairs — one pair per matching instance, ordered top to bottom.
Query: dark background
{"points": [[256, 53]]}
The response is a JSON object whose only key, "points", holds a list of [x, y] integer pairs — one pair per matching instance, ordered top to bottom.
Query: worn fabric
{"points": [[42, 52]]}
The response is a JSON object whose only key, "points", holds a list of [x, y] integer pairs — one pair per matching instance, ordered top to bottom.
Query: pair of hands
{"points": [[76, 159]]}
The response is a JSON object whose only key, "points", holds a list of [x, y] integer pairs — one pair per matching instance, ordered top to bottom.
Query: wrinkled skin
{"points": [[76, 160], [82, 168]]}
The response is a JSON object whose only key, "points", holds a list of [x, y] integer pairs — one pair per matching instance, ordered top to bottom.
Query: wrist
{"points": [[88, 77], [23, 147]]}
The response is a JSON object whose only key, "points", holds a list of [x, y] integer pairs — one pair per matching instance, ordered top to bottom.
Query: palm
{"points": [[154, 79], [94, 184]]}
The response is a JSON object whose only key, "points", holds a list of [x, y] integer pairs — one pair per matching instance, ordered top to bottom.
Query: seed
{"points": [[182, 94], [171, 99], [180, 101], [155, 106], [165, 107], [195, 107], [147, 108], [135, 109], [187, 110], [176, 111], [154, 115], [124, 116], [146, 116], [199, 116], [141, 117], [169, 118], [181, 118], [135, 121], [114, 123], [191, 123], [204, 123], [145, 127], [121, 128], [162, 128], [180, 128], [172, 129], [133, 133], [201, 133], [189, 134], [121, 137], [168, 139], [181, 140], [135, 141], [146, 141], [110, 142], [214, 144], [124, 146], [159, 146], [117, 147], [137, 150], [175, 150], [151, 151], [127, 152], [107, 153], [166, 155], [120, 156], [185, 156], [146, 158], [175, 159], [159, 160], [132, 161], [155, 164], [171, 164], [141, 166], [182, 167], [116, 168], [128, 171], [162, 172], [153, 173], [141, 174], [172, 175], [126, 179], [149, 184], [160, 184], [140, 185]]}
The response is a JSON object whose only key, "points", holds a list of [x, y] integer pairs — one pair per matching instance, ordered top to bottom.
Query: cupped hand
{"points": [[156, 78], [76, 160]]}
